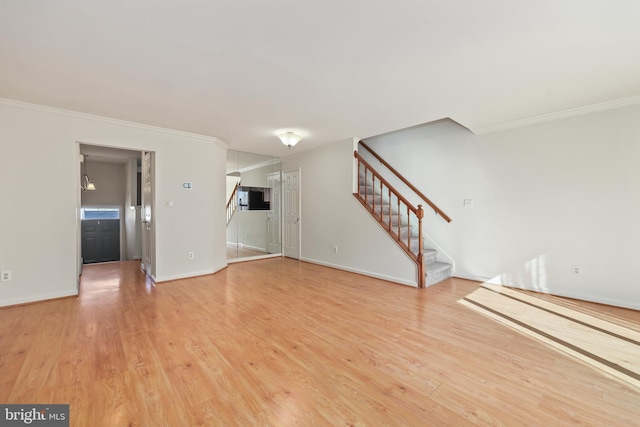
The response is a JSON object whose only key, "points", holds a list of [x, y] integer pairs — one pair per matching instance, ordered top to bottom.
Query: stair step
{"points": [[368, 190], [376, 199], [385, 210], [394, 221], [404, 232], [414, 245], [430, 256], [437, 267], [437, 272]]}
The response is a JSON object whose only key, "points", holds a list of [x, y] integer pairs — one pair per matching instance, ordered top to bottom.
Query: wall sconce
{"points": [[289, 138]]}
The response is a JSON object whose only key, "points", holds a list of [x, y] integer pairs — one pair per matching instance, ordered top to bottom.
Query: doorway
{"points": [[115, 201], [148, 236], [274, 244]]}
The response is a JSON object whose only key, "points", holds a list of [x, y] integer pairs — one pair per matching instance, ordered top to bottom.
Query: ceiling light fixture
{"points": [[289, 138], [85, 183]]}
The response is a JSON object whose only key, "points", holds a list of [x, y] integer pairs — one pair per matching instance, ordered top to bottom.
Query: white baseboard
{"points": [[245, 246], [253, 248], [253, 258], [363, 272], [187, 275], [471, 277], [578, 296], [38, 298]]}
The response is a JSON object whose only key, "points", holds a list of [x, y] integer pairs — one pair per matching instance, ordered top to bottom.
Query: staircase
{"points": [[376, 203], [401, 220]]}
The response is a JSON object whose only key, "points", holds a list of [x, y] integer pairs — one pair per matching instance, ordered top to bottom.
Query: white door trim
{"points": [[296, 251]]}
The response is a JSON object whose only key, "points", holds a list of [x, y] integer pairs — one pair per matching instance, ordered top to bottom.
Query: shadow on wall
{"points": [[533, 276]]}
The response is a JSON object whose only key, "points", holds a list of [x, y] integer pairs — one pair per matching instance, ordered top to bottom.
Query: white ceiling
{"points": [[241, 70]]}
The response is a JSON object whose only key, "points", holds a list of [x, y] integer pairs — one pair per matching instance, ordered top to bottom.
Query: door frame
{"points": [[78, 157], [283, 196], [277, 212], [149, 247]]}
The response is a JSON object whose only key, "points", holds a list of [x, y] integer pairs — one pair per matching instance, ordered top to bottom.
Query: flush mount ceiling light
{"points": [[289, 138], [85, 183]]}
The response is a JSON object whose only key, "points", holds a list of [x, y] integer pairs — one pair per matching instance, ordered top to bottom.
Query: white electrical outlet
{"points": [[335, 249], [190, 255], [575, 269], [5, 276]]}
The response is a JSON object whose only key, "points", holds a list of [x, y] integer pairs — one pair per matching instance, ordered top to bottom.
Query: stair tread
{"points": [[437, 267]]}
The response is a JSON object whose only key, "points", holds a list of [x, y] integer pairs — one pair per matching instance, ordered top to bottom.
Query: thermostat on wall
{"points": [[187, 185]]}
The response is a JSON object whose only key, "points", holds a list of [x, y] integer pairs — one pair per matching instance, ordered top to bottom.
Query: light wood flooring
{"points": [[278, 342], [603, 344]]}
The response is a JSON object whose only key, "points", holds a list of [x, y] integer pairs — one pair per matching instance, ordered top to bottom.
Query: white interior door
{"points": [[291, 214], [148, 236], [274, 242]]}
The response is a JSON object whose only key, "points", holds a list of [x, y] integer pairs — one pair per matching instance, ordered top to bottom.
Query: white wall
{"points": [[39, 149], [258, 177], [110, 181], [546, 197], [331, 216], [252, 225], [248, 229], [252, 229]]}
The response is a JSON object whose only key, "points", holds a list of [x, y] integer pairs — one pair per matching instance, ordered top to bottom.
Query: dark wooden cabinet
{"points": [[100, 240]]}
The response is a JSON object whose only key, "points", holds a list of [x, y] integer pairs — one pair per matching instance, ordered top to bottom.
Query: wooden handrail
{"points": [[411, 186], [232, 205], [395, 233]]}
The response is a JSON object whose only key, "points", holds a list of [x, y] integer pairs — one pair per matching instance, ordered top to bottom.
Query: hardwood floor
{"points": [[281, 342]]}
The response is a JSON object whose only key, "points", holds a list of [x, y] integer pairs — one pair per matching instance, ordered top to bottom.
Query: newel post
{"points": [[421, 266]]}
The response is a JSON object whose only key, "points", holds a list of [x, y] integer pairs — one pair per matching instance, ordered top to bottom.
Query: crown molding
{"points": [[609, 105], [107, 120], [273, 161]]}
